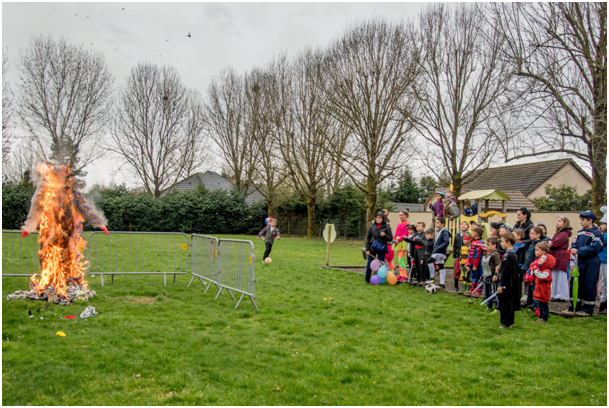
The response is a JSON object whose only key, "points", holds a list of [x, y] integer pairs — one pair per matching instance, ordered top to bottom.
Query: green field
{"points": [[321, 337]]}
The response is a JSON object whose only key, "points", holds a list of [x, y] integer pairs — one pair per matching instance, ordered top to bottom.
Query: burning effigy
{"points": [[59, 210]]}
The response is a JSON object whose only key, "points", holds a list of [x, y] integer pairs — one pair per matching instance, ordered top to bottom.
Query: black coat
{"points": [[374, 233], [509, 278]]}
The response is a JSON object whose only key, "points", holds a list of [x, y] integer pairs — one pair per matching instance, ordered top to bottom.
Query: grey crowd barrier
{"points": [[138, 253], [20, 254], [204, 261], [229, 264], [237, 268]]}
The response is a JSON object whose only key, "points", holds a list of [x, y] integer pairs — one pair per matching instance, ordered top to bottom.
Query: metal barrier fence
{"points": [[138, 253], [23, 260], [204, 261], [226, 263], [237, 268]]}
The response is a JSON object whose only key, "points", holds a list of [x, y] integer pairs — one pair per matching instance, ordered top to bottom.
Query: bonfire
{"points": [[59, 210]]}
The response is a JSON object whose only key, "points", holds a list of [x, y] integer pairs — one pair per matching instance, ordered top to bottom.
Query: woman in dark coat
{"points": [[379, 231], [559, 249]]}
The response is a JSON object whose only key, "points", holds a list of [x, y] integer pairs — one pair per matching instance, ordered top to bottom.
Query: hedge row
{"points": [[197, 211]]}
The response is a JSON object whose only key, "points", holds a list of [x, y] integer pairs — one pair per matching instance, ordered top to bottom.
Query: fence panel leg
{"points": [[102, 278], [174, 278], [193, 278], [165, 279], [112, 283], [219, 292], [231, 294], [240, 299], [254, 303]]}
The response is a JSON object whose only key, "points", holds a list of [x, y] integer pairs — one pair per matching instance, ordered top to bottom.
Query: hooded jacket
{"points": [[442, 241], [560, 248], [543, 278]]}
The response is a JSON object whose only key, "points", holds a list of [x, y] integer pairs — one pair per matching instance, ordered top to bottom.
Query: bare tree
{"points": [[559, 52], [367, 77], [462, 93], [63, 101], [7, 109], [261, 113], [303, 123], [225, 125], [158, 130], [20, 162]]}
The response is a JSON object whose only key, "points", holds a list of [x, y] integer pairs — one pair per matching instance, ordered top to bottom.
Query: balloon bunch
{"points": [[382, 274]]}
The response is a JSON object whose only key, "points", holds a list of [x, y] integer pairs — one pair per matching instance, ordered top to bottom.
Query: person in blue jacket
{"points": [[587, 246], [438, 254], [603, 257]]}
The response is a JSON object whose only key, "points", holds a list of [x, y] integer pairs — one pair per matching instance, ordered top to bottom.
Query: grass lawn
{"points": [[321, 337]]}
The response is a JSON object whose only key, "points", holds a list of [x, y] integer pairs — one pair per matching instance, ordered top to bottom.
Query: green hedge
{"points": [[197, 211]]}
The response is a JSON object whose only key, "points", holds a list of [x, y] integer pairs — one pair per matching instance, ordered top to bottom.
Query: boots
{"points": [[457, 285], [602, 308]]}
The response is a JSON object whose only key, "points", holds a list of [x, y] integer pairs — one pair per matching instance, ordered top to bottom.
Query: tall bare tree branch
{"points": [[158, 127]]}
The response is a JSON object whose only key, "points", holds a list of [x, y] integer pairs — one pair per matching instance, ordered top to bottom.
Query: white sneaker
{"points": [[428, 282]]}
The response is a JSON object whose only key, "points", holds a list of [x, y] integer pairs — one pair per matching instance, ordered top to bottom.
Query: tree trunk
{"points": [[599, 155], [457, 184], [370, 201], [271, 206], [311, 207]]}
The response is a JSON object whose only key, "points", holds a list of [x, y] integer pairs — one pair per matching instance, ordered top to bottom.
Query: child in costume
{"points": [[438, 207], [270, 233], [378, 236], [535, 236], [457, 244], [401, 246], [587, 246], [416, 250], [390, 253], [438, 256], [473, 261], [490, 261], [541, 272], [464, 275], [508, 279]]}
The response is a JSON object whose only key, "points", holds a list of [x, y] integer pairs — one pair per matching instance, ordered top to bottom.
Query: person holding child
{"points": [[378, 236], [559, 249], [541, 273], [508, 282]]}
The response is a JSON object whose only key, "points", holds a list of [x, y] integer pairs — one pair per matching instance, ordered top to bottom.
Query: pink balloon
{"points": [[375, 265]]}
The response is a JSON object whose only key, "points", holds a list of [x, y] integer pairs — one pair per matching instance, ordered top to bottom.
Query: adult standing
{"points": [[379, 235], [559, 249]]}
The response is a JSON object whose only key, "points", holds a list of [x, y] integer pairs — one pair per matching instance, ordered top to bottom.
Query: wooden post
{"points": [[504, 219], [329, 240]]}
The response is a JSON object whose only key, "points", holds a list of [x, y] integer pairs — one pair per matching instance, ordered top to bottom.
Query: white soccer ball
{"points": [[268, 260], [431, 288]]}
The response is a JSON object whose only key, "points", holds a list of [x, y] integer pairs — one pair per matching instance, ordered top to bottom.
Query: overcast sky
{"points": [[241, 35]]}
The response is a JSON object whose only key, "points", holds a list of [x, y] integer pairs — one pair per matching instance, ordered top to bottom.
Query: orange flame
{"points": [[62, 246]]}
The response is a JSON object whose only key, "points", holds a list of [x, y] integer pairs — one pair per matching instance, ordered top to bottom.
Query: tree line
{"points": [[457, 89]]}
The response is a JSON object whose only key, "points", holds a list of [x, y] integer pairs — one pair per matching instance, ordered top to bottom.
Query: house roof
{"points": [[520, 177], [211, 181]]}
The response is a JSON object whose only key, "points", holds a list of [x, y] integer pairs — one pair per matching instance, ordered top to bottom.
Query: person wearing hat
{"points": [[438, 207], [587, 246], [603, 257]]}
